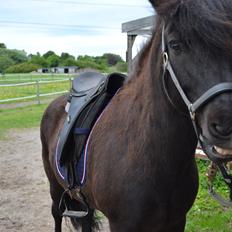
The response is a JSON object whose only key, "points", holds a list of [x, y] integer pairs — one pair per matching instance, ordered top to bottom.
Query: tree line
{"points": [[17, 61]]}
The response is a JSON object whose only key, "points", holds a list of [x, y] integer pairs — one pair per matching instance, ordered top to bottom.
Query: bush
{"points": [[112, 59], [38, 60], [53, 61], [5, 62], [68, 62], [91, 64], [121, 66], [22, 68]]}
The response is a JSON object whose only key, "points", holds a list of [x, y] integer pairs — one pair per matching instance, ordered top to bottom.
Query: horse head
{"points": [[197, 52]]}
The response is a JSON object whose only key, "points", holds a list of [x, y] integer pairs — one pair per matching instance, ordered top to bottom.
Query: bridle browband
{"points": [[193, 107]]}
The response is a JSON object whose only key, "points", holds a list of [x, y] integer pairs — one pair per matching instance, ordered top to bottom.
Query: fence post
{"points": [[70, 82], [38, 92]]}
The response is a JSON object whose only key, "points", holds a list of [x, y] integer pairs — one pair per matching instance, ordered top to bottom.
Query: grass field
{"points": [[25, 77], [34, 84], [7, 92], [22, 117], [207, 215]]}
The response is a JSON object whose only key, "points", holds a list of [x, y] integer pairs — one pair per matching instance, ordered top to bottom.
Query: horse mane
{"points": [[206, 21], [155, 41]]}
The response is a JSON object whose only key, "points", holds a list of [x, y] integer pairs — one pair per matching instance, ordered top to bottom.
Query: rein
{"points": [[192, 109]]}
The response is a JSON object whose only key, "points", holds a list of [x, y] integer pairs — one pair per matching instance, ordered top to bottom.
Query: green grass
{"points": [[25, 77], [30, 90], [8, 92], [23, 117], [207, 215]]}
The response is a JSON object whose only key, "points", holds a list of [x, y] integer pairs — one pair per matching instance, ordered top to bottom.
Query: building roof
{"points": [[142, 26]]}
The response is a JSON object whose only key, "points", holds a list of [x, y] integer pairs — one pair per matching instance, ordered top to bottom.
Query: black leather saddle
{"points": [[89, 95]]}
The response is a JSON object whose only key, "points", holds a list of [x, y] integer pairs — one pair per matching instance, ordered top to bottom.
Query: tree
{"points": [[2, 45], [48, 54], [65, 55], [17, 56], [10, 57], [85, 58], [112, 59], [39, 60], [53, 61], [5, 62], [68, 62], [90, 64]]}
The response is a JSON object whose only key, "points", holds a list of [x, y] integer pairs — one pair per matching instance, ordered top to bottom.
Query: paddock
{"points": [[24, 196]]}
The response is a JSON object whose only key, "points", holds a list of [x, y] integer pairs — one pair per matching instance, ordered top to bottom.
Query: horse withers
{"points": [[141, 171]]}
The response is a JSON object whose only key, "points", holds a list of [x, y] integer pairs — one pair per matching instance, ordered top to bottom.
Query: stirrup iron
{"points": [[75, 214]]}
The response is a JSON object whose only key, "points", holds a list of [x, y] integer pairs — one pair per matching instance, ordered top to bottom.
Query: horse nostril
{"points": [[221, 130]]}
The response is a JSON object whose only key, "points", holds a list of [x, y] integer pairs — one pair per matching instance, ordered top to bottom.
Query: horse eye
{"points": [[175, 45]]}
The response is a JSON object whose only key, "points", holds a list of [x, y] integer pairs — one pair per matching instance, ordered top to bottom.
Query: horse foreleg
{"points": [[56, 192], [57, 217], [88, 222], [120, 227], [179, 227]]}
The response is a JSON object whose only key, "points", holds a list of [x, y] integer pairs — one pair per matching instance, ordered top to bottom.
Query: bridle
{"points": [[193, 107]]}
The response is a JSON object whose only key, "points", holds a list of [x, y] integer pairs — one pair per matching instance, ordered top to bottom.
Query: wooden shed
{"points": [[142, 26]]}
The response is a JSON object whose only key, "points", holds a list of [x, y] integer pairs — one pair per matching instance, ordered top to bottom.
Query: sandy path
{"points": [[24, 195]]}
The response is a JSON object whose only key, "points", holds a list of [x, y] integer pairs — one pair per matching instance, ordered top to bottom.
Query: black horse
{"points": [[141, 171]]}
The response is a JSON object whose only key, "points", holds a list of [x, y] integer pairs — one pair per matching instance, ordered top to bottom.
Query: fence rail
{"points": [[31, 76], [37, 90]]}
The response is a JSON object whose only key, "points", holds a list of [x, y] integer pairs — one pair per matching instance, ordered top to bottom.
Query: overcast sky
{"points": [[79, 27]]}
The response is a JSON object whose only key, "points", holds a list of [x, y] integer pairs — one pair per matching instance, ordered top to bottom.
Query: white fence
{"points": [[38, 94]]}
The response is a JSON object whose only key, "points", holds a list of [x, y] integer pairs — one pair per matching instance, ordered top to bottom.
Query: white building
{"points": [[67, 69]]}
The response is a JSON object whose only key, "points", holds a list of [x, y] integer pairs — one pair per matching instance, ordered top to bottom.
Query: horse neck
{"points": [[161, 127]]}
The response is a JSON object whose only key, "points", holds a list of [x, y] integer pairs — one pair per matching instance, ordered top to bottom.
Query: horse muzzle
{"points": [[216, 129], [215, 153]]}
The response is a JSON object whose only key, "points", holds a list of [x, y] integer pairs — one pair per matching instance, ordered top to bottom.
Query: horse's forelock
{"points": [[207, 21]]}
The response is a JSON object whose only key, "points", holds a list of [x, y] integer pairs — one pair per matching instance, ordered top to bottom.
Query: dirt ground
{"points": [[24, 193]]}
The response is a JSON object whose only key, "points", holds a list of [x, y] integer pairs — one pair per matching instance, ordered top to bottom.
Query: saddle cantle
{"points": [[87, 81], [89, 95]]}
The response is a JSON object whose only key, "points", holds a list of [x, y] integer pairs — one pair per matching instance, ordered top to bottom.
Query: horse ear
{"points": [[156, 3], [162, 7]]}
